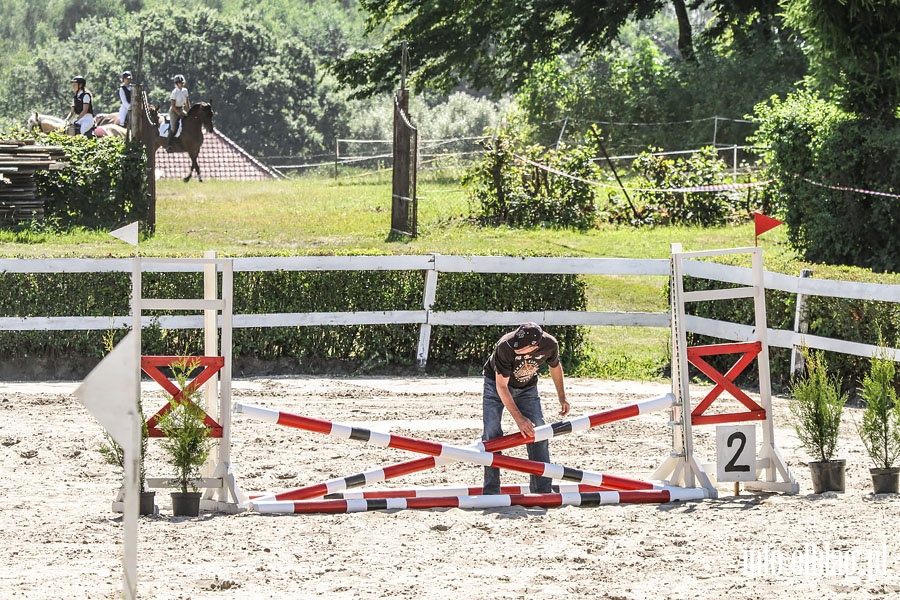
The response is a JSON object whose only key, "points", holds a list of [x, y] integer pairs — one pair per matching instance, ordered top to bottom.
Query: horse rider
{"points": [[125, 97], [179, 105], [82, 109]]}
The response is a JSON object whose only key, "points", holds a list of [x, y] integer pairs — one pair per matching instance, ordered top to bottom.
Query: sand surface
{"points": [[61, 539]]}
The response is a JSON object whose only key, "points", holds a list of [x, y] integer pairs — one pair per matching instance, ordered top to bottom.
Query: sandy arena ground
{"points": [[61, 540]]}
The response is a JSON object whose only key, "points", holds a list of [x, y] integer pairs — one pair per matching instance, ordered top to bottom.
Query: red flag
{"points": [[764, 223]]}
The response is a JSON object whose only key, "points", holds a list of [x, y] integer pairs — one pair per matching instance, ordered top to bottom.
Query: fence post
{"points": [[734, 163], [431, 277], [801, 325]]}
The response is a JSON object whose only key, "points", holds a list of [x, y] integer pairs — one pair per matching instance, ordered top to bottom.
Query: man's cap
{"points": [[527, 334]]}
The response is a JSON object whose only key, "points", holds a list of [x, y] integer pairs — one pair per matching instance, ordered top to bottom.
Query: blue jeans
{"points": [[529, 404]]}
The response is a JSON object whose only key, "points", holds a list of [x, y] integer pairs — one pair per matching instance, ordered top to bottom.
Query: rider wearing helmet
{"points": [[125, 98], [179, 105], [82, 109]]}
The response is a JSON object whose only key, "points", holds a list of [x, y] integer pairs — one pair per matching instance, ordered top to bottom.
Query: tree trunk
{"points": [[685, 33]]}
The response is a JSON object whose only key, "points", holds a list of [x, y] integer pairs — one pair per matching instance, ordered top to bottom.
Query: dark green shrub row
{"points": [[103, 188], [860, 321], [305, 349]]}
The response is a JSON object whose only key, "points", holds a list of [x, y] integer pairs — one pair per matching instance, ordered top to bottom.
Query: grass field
{"points": [[325, 216]]}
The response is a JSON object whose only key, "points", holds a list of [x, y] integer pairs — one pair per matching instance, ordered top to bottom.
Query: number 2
{"points": [[742, 441]]}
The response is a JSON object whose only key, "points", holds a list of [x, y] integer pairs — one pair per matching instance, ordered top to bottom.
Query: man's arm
{"points": [[556, 373], [526, 427]]}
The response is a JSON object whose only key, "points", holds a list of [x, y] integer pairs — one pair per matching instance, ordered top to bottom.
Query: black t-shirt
{"points": [[522, 369]]}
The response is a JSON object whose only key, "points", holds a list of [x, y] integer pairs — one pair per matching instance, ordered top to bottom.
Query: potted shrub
{"points": [[816, 405], [880, 427], [186, 442], [114, 455]]}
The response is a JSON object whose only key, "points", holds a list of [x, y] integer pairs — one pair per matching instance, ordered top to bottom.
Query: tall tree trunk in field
{"points": [[685, 33]]}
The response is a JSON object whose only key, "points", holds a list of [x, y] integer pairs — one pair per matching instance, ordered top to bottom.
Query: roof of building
{"points": [[219, 158]]}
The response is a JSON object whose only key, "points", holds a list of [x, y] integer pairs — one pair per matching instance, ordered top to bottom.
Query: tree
{"points": [[482, 45], [496, 45], [854, 51], [262, 87]]}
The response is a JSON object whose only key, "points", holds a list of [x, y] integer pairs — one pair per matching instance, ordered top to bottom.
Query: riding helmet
{"points": [[126, 74], [178, 79], [79, 80]]}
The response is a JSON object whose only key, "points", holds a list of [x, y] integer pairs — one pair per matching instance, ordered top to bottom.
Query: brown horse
{"points": [[199, 117], [107, 119]]}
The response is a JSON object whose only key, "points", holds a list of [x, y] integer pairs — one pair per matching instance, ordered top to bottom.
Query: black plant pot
{"points": [[828, 476], [885, 481], [148, 503], [186, 504]]}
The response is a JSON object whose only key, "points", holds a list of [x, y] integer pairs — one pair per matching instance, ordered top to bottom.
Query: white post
{"points": [[734, 164], [431, 277], [801, 325], [211, 347], [225, 386], [681, 412], [132, 459]]}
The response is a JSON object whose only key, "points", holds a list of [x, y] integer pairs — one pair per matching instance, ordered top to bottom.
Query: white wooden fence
{"points": [[434, 264]]}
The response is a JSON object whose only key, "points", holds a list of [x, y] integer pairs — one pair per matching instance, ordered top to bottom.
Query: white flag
{"points": [[128, 234], [110, 392]]}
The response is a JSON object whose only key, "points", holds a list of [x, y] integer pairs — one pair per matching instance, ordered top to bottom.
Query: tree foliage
{"points": [[481, 45], [854, 51], [822, 160], [816, 404], [880, 427]]}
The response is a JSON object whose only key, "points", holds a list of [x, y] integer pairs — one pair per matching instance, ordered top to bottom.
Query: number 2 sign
{"points": [[736, 453]]}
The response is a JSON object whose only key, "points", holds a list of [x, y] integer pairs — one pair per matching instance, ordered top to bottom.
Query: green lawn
{"points": [[325, 216]]}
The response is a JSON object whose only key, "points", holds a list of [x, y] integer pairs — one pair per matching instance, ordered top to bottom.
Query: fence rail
{"points": [[434, 264]]}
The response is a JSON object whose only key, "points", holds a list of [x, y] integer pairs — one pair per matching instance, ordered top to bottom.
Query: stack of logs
{"points": [[19, 161]]}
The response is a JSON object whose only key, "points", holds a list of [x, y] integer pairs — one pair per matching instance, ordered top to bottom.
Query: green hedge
{"points": [[103, 188], [850, 320], [300, 349]]}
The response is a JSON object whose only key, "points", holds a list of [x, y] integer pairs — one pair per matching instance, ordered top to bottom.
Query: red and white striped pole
{"points": [[544, 432], [447, 451], [460, 490], [498, 501]]}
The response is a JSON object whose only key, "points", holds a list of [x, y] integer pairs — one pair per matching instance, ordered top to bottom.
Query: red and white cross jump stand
{"points": [[767, 470], [221, 492]]}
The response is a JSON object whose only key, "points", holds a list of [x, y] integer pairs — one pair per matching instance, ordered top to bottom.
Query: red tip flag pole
{"points": [[763, 224]]}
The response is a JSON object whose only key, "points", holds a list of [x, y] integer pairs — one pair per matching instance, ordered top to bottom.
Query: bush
{"points": [[812, 148], [103, 188], [507, 190], [706, 209], [816, 405], [880, 427]]}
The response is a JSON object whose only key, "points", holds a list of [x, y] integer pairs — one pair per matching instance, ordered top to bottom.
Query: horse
{"points": [[198, 118], [107, 119], [48, 123], [111, 130]]}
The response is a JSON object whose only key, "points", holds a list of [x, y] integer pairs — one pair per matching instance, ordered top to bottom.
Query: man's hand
{"points": [[563, 407], [526, 427]]}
